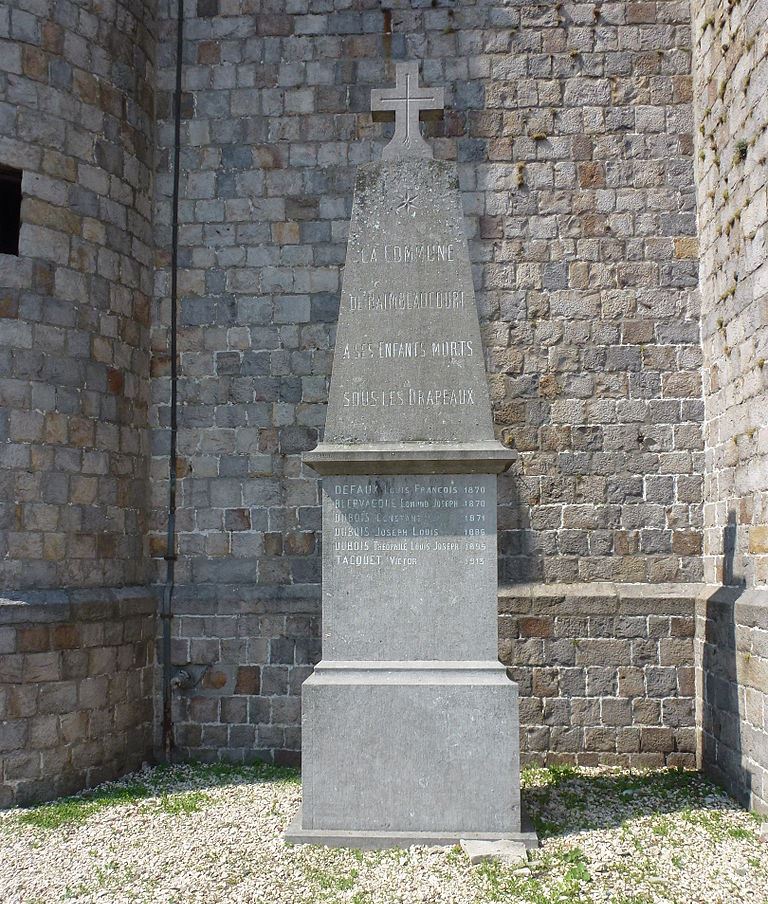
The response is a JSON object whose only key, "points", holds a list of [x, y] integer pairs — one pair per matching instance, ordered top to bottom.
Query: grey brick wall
{"points": [[731, 52], [76, 107], [572, 126], [572, 129], [732, 145], [248, 654], [76, 666], [606, 672], [732, 688], [76, 690]]}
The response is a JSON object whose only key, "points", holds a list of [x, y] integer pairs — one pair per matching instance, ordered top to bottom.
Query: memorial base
{"points": [[409, 753], [379, 841]]}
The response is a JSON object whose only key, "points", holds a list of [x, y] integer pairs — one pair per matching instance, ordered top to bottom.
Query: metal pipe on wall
{"points": [[166, 613]]}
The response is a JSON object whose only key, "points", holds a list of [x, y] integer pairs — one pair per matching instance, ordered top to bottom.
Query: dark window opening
{"points": [[10, 210]]}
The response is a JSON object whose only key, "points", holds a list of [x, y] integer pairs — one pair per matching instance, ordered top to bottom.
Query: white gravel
{"points": [[202, 834]]}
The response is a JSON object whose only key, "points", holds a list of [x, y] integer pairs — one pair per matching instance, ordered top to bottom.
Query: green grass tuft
{"points": [[163, 782], [185, 803], [75, 810]]}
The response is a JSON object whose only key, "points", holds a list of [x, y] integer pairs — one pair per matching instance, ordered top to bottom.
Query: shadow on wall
{"points": [[520, 559], [722, 744]]}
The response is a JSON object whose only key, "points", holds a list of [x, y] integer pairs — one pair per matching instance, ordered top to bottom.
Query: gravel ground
{"points": [[212, 834]]}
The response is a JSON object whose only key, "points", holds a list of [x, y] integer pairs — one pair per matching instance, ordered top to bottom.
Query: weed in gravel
{"points": [[260, 772], [165, 777], [161, 781], [561, 799], [185, 803], [74, 810], [712, 821], [661, 826], [545, 828], [106, 874], [558, 877], [332, 880], [494, 881], [75, 891], [635, 899]]}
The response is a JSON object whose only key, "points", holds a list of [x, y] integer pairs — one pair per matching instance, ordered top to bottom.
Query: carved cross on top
{"points": [[407, 99]]}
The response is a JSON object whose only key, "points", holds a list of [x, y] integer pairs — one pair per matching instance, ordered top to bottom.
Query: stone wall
{"points": [[731, 52], [76, 108], [77, 116], [571, 124], [732, 144], [247, 655], [605, 672], [76, 690], [732, 691]]}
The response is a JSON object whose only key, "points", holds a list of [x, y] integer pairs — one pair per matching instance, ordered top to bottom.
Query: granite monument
{"points": [[409, 722]]}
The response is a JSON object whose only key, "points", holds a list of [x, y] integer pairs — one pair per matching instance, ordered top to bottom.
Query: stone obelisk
{"points": [[409, 722]]}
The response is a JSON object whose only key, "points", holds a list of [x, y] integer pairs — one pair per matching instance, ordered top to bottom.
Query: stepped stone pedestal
{"points": [[409, 722]]}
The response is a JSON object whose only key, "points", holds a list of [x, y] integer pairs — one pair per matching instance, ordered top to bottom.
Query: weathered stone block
{"points": [[40, 667], [248, 680], [656, 740]]}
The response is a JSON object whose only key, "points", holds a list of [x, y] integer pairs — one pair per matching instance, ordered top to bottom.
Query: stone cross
{"points": [[407, 99]]}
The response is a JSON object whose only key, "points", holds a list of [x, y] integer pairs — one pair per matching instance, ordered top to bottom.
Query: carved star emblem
{"points": [[408, 204]]}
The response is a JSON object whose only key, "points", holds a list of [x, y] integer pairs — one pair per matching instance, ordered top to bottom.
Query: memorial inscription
{"points": [[408, 312], [383, 508], [434, 534], [409, 722]]}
